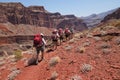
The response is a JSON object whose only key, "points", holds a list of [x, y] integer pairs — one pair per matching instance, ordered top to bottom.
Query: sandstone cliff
{"points": [[16, 13]]}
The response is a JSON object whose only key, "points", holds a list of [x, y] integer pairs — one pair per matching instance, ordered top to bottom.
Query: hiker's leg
{"points": [[42, 53], [37, 55]]}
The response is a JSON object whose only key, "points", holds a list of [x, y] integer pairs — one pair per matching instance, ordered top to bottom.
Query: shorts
{"points": [[61, 37], [40, 48]]}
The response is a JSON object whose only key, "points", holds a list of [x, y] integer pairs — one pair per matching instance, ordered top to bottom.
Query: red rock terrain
{"points": [[91, 55]]}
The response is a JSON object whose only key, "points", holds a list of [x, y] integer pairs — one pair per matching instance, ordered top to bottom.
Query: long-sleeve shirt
{"points": [[44, 42]]}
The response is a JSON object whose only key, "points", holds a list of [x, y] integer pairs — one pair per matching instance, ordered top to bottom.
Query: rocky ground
{"points": [[91, 55]]}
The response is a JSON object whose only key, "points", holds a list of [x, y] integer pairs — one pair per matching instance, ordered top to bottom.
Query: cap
{"points": [[41, 34]]}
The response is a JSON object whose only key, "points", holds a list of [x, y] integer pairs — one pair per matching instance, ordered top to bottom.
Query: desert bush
{"points": [[117, 25], [103, 32], [77, 35], [89, 35], [97, 38], [107, 38], [71, 41], [117, 41], [87, 43], [104, 45], [68, 48], [80, 49], [106, 51], [18, 54], [53, 61], [2, 63], [86, 68], [13, 74], [54, 76], [76, 77]]}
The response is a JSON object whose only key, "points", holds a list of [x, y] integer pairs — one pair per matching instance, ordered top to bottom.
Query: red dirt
{"points": [[71, 62], [105, 66]]}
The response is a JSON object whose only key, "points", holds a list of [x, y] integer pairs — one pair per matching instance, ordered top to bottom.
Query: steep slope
{"points": [[90, 55]]}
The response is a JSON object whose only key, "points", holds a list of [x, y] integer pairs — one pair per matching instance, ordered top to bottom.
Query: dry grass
{"points": [[107, 38], [71, 41], [117, 41], [104, 46], [68, 48], [80, 49], [18, 54], [53, 61], [86, 68], [54, 76], [76, 77]]}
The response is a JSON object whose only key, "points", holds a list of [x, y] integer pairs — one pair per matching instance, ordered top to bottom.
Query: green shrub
{"points": [[18, 54]]}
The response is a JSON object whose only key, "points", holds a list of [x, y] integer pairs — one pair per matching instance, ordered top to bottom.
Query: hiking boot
{"points": [[40, 59]]}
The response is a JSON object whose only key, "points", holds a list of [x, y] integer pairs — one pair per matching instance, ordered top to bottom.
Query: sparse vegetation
{"points": [[117, 25], [89, 35], [97, 38], [107, 38], [71, 41], [117, 41], [87, 43], [104, 45], [68, 48], [80, 49], [106, 51], [18, 54], [53, 61], [86, 68], [13, 74], [54, 76], [76, 77]]}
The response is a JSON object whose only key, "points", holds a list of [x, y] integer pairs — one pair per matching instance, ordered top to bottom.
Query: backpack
{"points": [[67, 31], [60, 32], [54, 37], [37, 40]]}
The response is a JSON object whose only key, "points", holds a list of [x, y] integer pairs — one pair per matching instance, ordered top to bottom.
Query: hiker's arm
{"points": [[44, 41]]}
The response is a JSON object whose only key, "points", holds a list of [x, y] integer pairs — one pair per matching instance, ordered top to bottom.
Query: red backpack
{"points": [[67, 31], [60, 32], [54, 37], [37, 40]]}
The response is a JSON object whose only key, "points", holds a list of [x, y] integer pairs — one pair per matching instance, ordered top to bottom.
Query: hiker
{"points": [[72, 32], [67, 33], [61, 34], [55, 37], [39, 43]]}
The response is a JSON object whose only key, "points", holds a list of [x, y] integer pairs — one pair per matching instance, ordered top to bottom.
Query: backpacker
{"points": [[67, 31], [60, 32], [54, 37], [37, 40]]}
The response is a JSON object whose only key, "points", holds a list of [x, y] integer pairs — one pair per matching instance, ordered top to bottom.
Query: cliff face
{"points": [[16, 13], [114, 15], [62, 21]]}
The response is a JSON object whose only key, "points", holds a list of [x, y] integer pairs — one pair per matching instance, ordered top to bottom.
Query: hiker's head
{"points": [[66, 28], [60, 29], [54, 31], [42, 35]]}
